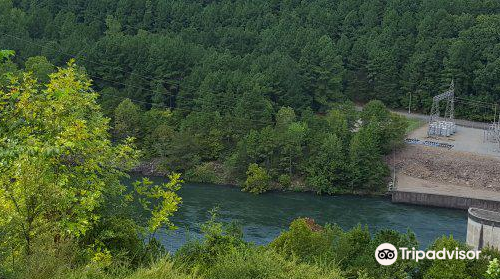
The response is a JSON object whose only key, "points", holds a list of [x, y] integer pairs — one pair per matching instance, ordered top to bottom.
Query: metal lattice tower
{"points": [[449, 96], [438, 125], [493, 133]]}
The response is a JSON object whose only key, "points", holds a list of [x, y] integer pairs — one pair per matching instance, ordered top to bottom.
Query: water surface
{"points": [[264, 216]]}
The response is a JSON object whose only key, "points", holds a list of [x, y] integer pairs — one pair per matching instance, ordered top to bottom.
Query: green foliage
{"points": [[6, 55], [204, 57], [7, 67], [40, 67], [248, 83], [238, 93], [375, 111], [127, 118], [284, 118], [391, 128], [159, 129], [206, 129], [292, 144], [256, 147], [330, 153], [58, 163], [327, 166], [368, 172], [205, 173], [257, 181], [284, 181], [60, 189], [161, 201], [219, 239], [305, 240], [116, 241], [306, 250], [351, 250], [223, 254], [262, 263], [453, 268], [160, 270], [493, 271]]}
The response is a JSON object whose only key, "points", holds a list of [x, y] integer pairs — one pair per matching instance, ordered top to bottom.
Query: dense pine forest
{"points": [[236, 57], [248, 81], [259, 93]]}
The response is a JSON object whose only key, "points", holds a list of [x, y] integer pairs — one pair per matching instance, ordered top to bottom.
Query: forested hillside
{"points": [[204, 55], [250, 81], [251, 92]]}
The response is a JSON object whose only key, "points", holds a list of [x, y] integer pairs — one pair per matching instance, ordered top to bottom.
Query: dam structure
{"points": [[483, 228]]}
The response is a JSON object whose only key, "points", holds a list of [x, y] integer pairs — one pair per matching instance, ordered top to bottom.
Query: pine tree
{"points": [[127, 120], [327, 166], [367, 168]]}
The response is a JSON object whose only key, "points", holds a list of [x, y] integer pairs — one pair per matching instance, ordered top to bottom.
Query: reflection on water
{"points": [[263, 217]]}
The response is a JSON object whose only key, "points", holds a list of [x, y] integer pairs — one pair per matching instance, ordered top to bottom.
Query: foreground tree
{"points": [[56, 161], [59, 170]]}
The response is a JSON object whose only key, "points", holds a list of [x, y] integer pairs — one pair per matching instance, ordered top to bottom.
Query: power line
{"points": [[137, 29], [79, 57], [83, 59], [147, 78], [150, 79], [134, 86], [476, 101], [466, 102], [166, 106]]}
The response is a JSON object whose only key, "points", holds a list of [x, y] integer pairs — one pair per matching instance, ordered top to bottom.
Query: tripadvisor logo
{"points": [[387, 254]]}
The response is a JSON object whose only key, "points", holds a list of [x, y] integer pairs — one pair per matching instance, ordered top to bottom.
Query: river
{"points": [[264, 216]]}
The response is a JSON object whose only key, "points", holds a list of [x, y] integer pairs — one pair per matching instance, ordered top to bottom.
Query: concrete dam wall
{"points": [[437, 200], [483, 228]]}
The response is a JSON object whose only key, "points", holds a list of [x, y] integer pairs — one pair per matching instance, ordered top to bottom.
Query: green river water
{"points": [[264, 216]]}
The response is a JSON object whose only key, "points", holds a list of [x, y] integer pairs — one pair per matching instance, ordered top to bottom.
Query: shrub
{"points": [[204, 173], [257, 180], [285, 181], [120, 236], [218, 240], [305, 240], [351, 250], [365, 261], [259, 262], [452, 269], [161, 270], [493, 271]]}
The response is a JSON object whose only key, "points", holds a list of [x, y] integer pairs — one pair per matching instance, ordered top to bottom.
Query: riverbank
{"points": [[216, 176]]}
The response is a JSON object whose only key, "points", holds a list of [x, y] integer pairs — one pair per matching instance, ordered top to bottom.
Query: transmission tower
{"points": [[443, 126], [493, 133]]}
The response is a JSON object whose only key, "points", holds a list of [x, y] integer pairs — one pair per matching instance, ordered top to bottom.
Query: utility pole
{"points": [[409, 105], [495, 116], [394, 168]]}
